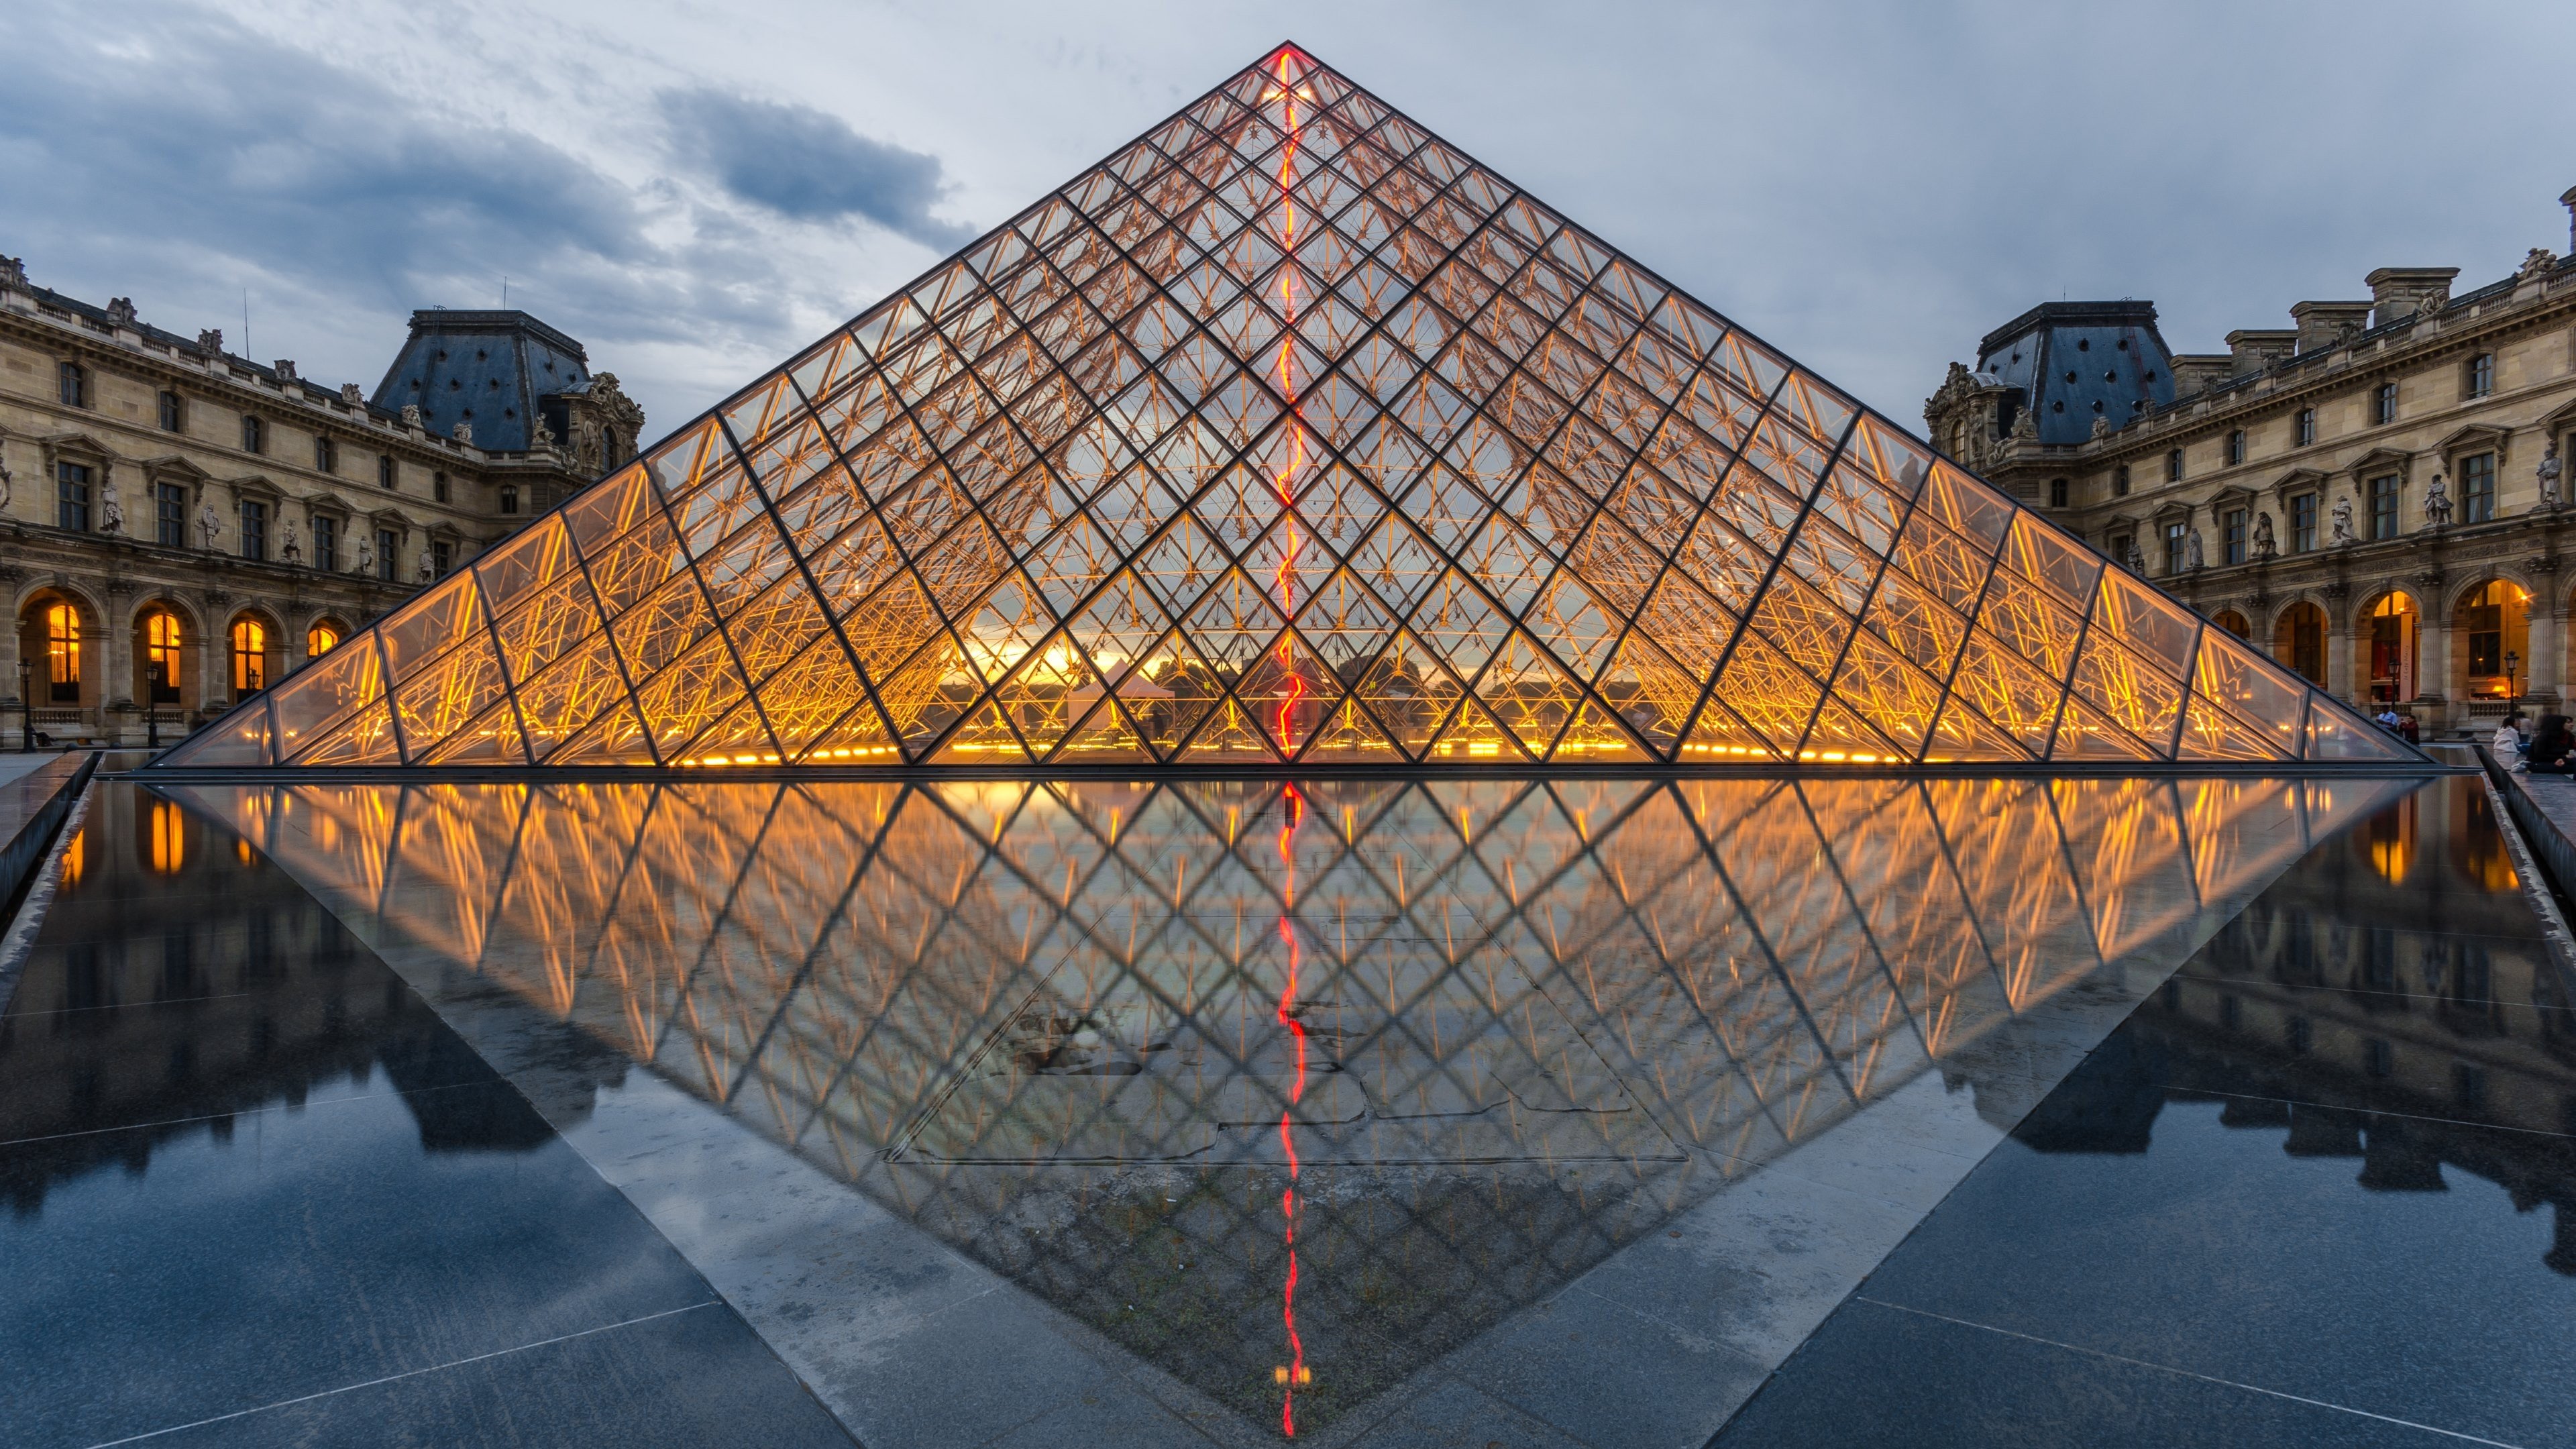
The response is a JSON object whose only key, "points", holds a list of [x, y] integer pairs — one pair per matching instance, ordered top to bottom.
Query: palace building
{"points": [[1290, 434], [2375, 496], [184, 528]]}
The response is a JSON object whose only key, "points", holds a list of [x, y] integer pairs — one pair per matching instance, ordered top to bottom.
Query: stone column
{"points": [[10, 578], [2339, 646], [214, 656], [2433, 657], [117, 691]]}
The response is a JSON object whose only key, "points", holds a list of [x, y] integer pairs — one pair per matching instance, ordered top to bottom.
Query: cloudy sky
{"points": [[696, 188]]}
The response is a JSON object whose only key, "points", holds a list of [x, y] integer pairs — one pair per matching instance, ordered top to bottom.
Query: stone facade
{"points": [[2379, 494], [180, 526]]}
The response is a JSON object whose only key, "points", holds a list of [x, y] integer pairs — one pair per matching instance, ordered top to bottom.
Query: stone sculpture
{"points": [[2548, 472], [2437, 502], [210, 526], [2343, 533], [2265, 546]]}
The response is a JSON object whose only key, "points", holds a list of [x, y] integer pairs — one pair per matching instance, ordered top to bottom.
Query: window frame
{"points": [[2477, 377], [71, 384], [2383, 404], [171, 411], [2306, 427], [254, 434], [2235, 446], [326, 454], [2173, 465], [388, 472], [2478, 488], [2394, 495], [72, 496], [2303, 510], [170, 514], [251, 515], [2176, 534], [2235, 534], [326, 542], [388, 556], [248, 639], [63, 649], [163, 656]]}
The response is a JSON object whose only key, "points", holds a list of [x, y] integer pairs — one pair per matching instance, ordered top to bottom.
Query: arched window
{"points": [[2233, 622], [321, 639], [2299, 640], [2392, 644], [63, 652], [161, 656], [250, 656]]}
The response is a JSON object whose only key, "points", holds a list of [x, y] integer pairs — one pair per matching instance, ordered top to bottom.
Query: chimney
{"points": [[2567, 199], [2397, 292], [2323, 324], [2253, 349], [2194, 371]]}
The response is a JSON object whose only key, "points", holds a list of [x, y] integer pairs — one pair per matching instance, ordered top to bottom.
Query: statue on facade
{"points": [[2536, 263], [120, 311], [210, 341], [351, 395], [411, 415], [2025, 428], [2101, 428], [463, 432], [539, 435], [2548, 471], [5, 481], [2437, 502], [111, 509], [210, 526], [2343, 533], [2265, 546], [289, 547], [2191, 552], [366, 555], [2137, 560], [428, 571]]}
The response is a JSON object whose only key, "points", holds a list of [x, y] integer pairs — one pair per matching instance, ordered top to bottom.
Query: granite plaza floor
{"points": [[1530, 1112]]}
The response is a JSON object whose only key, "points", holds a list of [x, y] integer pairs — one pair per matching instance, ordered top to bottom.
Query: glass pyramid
{"points": [[1289, 434]]}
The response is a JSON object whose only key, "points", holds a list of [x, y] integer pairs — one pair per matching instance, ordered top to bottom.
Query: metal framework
{"points": [[1289, 434], [1531, 1018]]}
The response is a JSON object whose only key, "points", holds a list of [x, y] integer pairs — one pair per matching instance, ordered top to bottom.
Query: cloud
{"points": [[808, 165]]}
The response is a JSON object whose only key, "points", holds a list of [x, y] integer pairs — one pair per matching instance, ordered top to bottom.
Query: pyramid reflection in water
{"points": [[1290, 433], [1500, 1028]]}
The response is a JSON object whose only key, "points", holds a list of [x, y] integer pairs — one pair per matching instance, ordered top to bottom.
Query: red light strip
{"points": [[1286, 721], [1295, 806]]}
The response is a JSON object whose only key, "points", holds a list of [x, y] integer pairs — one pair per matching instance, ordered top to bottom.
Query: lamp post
{"points": [[2512, 662], [27, 705]]}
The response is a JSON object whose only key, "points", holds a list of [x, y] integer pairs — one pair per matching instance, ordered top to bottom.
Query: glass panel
{"points": [[307, 704]]}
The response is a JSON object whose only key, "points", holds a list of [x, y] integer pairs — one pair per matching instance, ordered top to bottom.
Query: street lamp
{"points": [[2512, 661]]}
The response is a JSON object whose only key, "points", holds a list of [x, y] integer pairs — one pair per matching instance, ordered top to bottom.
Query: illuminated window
{"points": [[2233, 622], [2496, 630], [321, 639], [2392, 649], [63, 652], [250, 656], [161, 657]]}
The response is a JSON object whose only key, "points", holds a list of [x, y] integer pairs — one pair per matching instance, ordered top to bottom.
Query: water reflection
{"points": [[1293, 1088]]}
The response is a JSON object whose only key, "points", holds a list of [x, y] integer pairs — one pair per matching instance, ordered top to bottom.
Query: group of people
{"points": [[2547, 748]]}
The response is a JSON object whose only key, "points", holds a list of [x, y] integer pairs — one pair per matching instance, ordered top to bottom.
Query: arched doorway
{"points": [[2234, 623], [2492, 632], [2299, 641], [2389, 644], [254, 649], [163, 652], [57, 659]]}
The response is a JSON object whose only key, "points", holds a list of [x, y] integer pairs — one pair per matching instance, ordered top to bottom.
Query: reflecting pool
{"points": [[1337, 1110]]}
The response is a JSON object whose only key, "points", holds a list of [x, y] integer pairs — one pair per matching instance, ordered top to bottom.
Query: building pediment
{"points": [[2473, 438], [76, 445], [2379, 461], [2300, 480], [258, 485], [2234, 495]]}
